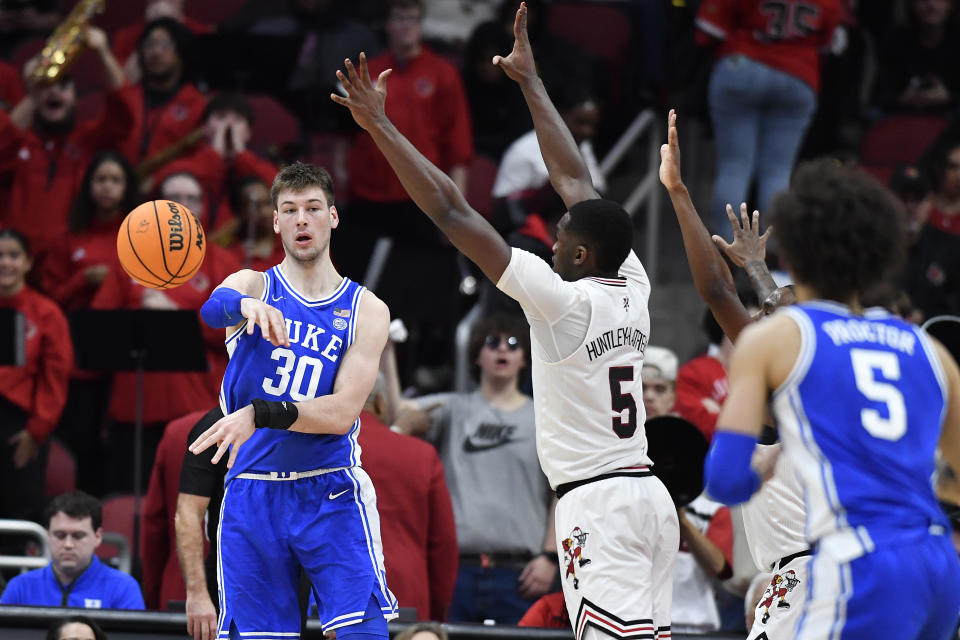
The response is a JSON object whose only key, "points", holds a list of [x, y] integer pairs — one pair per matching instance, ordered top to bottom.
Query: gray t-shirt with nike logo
{"points": [[500, 496]]}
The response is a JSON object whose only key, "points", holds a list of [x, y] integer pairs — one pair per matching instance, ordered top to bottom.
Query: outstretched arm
{"points": [[568, 172], [429, 187], [711, 275]]}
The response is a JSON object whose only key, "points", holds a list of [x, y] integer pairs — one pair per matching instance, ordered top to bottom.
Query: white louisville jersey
{"points": [[589, 400], [774, 519]]}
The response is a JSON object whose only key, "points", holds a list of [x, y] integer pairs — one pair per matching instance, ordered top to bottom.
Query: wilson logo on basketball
{"points": [[176, 228]]}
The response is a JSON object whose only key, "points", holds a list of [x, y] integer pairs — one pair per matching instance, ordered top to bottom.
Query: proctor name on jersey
{"points": [[622, 337]]}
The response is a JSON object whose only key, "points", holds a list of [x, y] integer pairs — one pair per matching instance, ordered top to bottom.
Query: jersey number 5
{"points": [[865, 363], [620, 401]]}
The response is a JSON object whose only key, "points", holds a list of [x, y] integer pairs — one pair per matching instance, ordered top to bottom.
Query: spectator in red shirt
{"points": [[125, 39], [763, 90], [427, 103], [165, 105], [44, 150], [222, 159], [941, 209], [254, 242], [72, 274], [702, 382], [168, 395], [31, 396], [416, 516]]}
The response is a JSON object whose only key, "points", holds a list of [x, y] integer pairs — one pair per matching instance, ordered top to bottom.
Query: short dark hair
{"points": [[406, 4], [180, 34], [572, 94], [229, 101], [299, 176], [236, 195], [82, 211], [606, 227], [839, 230], [13, 234], [494, 325], [75, 504], [433, 627], [53, 633]]}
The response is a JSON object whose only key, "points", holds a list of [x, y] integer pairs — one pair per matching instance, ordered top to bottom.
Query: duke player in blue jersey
{"points": [[304, 345], [862, 400]]}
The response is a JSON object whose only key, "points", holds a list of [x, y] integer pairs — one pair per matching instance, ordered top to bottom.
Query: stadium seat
{"points": [[601, 30], [273, 124], [897, 140], [480, 177], [61, 472], [118, 517]]}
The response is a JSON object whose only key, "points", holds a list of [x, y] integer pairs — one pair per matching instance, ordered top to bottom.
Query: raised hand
{"points": [[519, 65], [364, 99], [670, 155], [748, 245]]}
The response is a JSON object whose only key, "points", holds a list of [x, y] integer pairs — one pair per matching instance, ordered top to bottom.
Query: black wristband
{"points": [[269, 414], [551, 556]]}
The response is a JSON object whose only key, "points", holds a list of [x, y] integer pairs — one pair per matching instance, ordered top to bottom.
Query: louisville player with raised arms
{"points": [[304, 345], [861, 400], [616, 525]]}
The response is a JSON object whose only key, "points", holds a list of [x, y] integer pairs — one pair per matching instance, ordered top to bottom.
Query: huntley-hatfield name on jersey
{"points": [[622, 337]]}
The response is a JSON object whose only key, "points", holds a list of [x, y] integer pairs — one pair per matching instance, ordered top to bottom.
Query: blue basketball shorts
{"points": [[272, 524], [910, 591]]}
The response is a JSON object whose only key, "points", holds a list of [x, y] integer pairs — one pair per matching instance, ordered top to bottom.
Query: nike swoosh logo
{"points": [[275, 298], [470, 447], [334, 496]]}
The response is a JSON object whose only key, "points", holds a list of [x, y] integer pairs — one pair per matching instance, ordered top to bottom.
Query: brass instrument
{"points": [[66, 42], [170, 153]]}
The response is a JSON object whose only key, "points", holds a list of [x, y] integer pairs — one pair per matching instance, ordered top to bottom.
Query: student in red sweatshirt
{"points": [[31, 396]]}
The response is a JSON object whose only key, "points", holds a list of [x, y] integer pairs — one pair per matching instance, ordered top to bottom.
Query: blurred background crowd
{"points": [[200, 102]]}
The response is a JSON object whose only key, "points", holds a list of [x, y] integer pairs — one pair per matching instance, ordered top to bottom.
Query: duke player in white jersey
{"points": [[304, 345], [862, 400], [617, 529]]}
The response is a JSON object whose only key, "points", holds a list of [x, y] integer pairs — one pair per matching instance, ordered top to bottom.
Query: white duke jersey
{"points": [[587, 343], [860, 416]]}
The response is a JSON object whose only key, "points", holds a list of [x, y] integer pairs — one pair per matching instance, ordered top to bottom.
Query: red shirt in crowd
{"points": [[787, 35], [126, 38], [11, 86], [428, 105], [157, 126], [46, 172], [214, 172], [944, 221], [257, 263], [64, 270], [40, 386], [701, 391], [170, 395], [416, 517], [162, 578], [549, 611]]}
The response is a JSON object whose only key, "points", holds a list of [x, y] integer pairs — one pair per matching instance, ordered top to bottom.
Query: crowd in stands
{"points": [[201, 102]]}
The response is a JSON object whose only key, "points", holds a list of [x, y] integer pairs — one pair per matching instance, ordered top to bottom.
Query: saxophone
{"points": [[66, 42]]}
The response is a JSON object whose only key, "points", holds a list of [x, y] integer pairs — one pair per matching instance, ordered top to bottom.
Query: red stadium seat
{"points": [[213, 11], [601, 30], [273, 124], [898, 140], [480, 177], [61, 473], [118, 517]]}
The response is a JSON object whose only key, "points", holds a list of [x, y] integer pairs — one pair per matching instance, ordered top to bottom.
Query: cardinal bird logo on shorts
{"points": [[573, 547], [780, 585]]}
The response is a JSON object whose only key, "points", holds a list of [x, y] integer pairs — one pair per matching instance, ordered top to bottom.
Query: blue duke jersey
{"points": [[320, 332], [860, 416]]}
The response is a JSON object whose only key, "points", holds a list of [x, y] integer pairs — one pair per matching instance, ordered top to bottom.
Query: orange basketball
{"points": [[161, 244]]}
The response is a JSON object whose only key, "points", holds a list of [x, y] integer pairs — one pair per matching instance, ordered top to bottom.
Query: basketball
{"points": [[161, 244]]}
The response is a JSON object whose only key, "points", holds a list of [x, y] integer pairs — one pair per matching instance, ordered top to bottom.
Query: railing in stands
{"points": [[25, 528], [30, 623]]}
